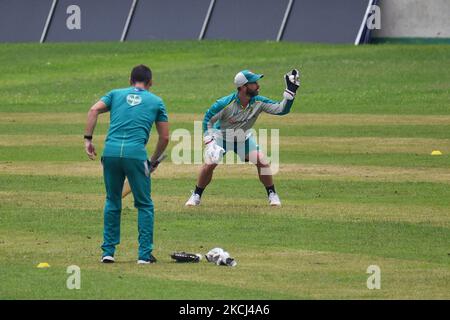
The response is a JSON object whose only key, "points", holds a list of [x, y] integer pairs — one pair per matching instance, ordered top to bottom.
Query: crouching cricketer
{"points": [[133, 111], [226, 127]]}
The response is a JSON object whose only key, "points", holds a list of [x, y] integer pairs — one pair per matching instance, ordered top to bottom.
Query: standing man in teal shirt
{"points": [[133, 111]]}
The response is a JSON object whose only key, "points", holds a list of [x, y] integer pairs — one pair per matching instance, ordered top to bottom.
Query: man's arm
{"points": [[292, 79], [274, 107], [96, 109], [212, 115], [162, 128]]}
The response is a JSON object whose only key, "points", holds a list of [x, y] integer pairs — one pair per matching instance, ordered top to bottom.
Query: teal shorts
{"points": [[242, 149]]}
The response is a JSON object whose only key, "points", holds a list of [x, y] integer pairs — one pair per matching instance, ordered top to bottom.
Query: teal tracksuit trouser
{"points": [[137, 171]]}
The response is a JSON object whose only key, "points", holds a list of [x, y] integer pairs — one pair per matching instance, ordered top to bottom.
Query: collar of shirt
{"points": [[137, 89], [238, 101]]}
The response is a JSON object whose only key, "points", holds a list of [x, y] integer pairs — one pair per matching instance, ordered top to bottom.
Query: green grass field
{"points": [[358, 184]]}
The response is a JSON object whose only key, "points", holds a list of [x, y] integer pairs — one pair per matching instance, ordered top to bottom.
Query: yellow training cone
{"points": [[436, 153], [43, 265]]}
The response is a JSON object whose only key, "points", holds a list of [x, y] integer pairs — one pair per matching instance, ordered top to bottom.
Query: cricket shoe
{"points": [[274, 200], [193, 201], [107, 259], [147, 261]]}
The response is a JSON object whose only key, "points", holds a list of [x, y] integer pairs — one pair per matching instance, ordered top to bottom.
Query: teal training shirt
{"points": [[132, 114]]}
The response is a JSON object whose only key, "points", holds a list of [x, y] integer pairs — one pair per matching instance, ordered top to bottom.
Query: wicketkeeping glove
{"points": [[292, 79], [213, 152], [185, 257], [220, 257]]}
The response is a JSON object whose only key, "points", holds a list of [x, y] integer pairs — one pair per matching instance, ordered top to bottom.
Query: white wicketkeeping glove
{"points": [[213, 152], [214, 254], [220, 257]]}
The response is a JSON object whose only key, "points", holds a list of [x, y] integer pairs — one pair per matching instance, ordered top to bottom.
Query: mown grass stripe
{"points": [[294, 119], [382, 131], [311, 144], [74, 154], [285, 171], [416, 193], [304, 208]]}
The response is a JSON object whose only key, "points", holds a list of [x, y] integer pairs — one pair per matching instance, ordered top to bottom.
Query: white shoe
{"points": [[274, 200], [193, 201], [107, 259], [149, 261]]}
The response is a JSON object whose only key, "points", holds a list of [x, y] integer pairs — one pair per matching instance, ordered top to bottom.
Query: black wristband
{"points": [[88, 137]]}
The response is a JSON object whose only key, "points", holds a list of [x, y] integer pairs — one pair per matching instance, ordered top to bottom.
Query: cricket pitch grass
{"points": [[357, 181]]}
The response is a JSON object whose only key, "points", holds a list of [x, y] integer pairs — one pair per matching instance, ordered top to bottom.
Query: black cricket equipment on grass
{"points": [[185, 257]]}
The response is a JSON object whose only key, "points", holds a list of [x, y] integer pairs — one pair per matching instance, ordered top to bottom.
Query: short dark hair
{"points": [[141, 73]]}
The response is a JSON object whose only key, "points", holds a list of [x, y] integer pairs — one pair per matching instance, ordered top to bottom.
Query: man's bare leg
{"points": [[265, 175], [205, 176]]}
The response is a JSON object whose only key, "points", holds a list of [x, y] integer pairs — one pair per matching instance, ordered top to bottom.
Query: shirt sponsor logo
{"points": [[133, 99]]}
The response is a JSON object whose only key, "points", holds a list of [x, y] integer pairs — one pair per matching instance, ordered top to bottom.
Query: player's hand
{"points": [[292, 79], [90, 149], [213, 152], [154, 165]]}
